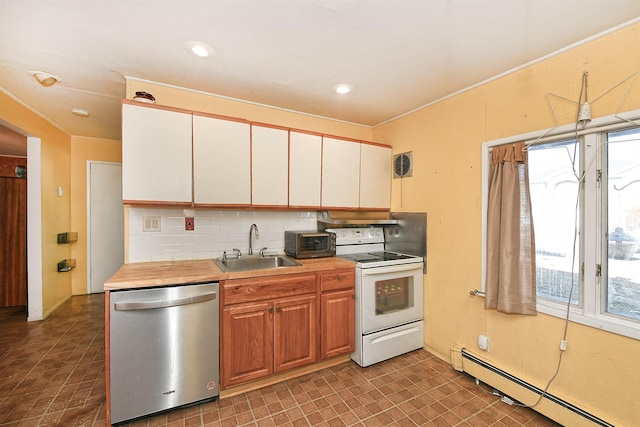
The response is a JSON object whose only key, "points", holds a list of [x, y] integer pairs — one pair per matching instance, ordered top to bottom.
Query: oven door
{"points": [[390, 296]]}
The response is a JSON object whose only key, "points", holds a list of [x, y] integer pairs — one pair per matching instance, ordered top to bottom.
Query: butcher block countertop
{"points": [[164, 273]]}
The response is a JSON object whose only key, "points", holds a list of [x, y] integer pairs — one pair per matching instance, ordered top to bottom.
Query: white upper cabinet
{"points": [[156, 155], [171, 156], [221, 161], [269, 166], [305, 168], [340, 173], [375, 177]]}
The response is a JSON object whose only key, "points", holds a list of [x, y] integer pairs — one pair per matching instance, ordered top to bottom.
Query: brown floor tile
{"points": [[52, 373]]}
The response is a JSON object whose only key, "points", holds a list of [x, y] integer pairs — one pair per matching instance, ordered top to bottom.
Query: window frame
{"points": [[593, 202]]}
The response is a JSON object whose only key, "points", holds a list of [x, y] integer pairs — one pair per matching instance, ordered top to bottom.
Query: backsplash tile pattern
{"points": [[215, 231]]}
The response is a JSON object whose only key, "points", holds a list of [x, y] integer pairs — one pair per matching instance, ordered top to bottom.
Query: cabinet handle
{"points": [[339, 276], [353, 296], [278, 309], [270, 310]]}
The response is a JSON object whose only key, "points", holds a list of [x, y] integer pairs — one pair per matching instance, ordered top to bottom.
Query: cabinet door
{"points": [[156, 155], [221, 162], [269, 166], [305, 169], [340, 173], [375, 176], [337, 313], [338, 323], [294, 333], [247, 343]]}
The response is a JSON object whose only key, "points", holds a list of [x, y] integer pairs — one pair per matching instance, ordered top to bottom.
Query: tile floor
{"points": [[52, 373]]}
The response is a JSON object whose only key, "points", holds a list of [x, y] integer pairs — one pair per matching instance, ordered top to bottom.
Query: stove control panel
{"points": [[356, 236]]}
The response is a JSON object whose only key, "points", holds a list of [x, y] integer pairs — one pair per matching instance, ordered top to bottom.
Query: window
{"points": [[585, 197], [622, 237]]}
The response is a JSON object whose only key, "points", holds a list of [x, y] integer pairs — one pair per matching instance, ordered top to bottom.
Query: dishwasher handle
{"points": [[147, 305]]}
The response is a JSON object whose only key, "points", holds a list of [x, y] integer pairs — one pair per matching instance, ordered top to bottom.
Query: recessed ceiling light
{"points": [[199, 49], [45, 79], [343, 88], [80, 112]]}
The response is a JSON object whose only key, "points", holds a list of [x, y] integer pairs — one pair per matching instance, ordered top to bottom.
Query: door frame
{"points": [[34, 231]]}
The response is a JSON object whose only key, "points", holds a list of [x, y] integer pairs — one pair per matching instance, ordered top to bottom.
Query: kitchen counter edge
{"points": [[166, 273]]}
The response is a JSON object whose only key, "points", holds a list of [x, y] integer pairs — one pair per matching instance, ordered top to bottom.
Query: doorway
{"points": [[105, 223]]}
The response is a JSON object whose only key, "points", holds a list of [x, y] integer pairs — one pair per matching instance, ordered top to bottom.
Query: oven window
{"points": [[314, 243], [394, 295]]}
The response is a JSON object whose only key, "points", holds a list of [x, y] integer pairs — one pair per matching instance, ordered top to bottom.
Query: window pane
{"points": [[554, 186], [623, 260]]}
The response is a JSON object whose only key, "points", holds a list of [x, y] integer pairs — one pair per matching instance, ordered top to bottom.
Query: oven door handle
{"points": [[390, 269]]}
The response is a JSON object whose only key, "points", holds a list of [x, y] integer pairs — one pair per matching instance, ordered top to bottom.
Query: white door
{"points": [[105, 223]]}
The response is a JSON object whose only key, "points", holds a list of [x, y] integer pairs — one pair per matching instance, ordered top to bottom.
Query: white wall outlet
{"points": [[151, 223], [484, 343]]}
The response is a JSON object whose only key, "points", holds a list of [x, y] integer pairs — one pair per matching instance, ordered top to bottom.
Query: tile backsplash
{"points": [[215, 231]]}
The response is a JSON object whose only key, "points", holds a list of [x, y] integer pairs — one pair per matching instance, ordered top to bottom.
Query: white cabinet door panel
{"points": [[156, 155], [221, 161], [269, 166], [305, 169], [340, 173], [375, 176]]}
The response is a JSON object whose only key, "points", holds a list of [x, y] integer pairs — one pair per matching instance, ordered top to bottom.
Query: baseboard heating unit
{"points": [[564, 412]]}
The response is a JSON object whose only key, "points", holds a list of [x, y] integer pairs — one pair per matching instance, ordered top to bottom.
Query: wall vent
{"points": [[403, 165]]}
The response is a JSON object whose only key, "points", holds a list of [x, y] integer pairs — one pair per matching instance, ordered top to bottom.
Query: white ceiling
{"points": [[397, 54]]}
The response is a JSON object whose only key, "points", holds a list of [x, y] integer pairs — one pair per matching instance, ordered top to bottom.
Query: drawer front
{"points": [[338, 279], [266, 288]]}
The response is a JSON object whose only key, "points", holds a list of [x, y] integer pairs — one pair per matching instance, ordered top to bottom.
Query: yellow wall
{"points": [[197, 101], [82, 150], [55, 166], [600, 370]]}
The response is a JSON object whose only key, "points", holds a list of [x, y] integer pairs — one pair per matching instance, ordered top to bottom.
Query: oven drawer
{"points": [[337, 279], [383, 345]]}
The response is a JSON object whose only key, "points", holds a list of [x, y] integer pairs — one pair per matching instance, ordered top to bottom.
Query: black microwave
{"points": [[309, 244]]}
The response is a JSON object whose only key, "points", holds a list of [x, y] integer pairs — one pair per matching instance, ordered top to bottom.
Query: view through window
{"points": [[553, 182], [623, 224], [599, 227]]}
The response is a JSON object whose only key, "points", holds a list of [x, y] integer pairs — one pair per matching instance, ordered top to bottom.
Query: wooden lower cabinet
{"points": [[337, 313], [273, 324], [275, 333], [294, 337], [247, 341]]}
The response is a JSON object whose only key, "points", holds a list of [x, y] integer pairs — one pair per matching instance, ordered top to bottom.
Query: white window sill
{"points": [[604, 322]]}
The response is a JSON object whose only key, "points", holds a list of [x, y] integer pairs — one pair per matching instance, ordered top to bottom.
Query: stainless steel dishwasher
{"points": [[164, 348]]}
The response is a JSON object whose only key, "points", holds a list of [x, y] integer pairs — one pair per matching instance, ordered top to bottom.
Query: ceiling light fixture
{"points": [[199, 49], [45, 79], [343, 88], [80, 112]]}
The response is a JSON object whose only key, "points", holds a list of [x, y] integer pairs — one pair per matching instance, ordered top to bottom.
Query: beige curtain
{"points": [[511, 274]]}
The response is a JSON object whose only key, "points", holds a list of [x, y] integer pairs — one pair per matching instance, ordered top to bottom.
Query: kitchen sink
{"points": [[256, 262]]}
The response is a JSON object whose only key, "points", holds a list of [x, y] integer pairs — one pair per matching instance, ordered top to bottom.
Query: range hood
{"points": [[356, 218]]}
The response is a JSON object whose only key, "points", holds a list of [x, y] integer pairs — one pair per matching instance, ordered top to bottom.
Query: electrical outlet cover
{"points": [[483, 343]]}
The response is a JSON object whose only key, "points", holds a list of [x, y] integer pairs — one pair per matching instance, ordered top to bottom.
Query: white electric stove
{"points": [[389, 295]]}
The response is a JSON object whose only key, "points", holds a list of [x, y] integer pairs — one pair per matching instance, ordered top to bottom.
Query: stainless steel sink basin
{"points": [[255, 263]]}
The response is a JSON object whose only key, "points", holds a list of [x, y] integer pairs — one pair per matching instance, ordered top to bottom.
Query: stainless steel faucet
{"points": [[253, 227]]}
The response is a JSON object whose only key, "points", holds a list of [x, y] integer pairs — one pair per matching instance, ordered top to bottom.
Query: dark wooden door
{"points": [[13, 242]]}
